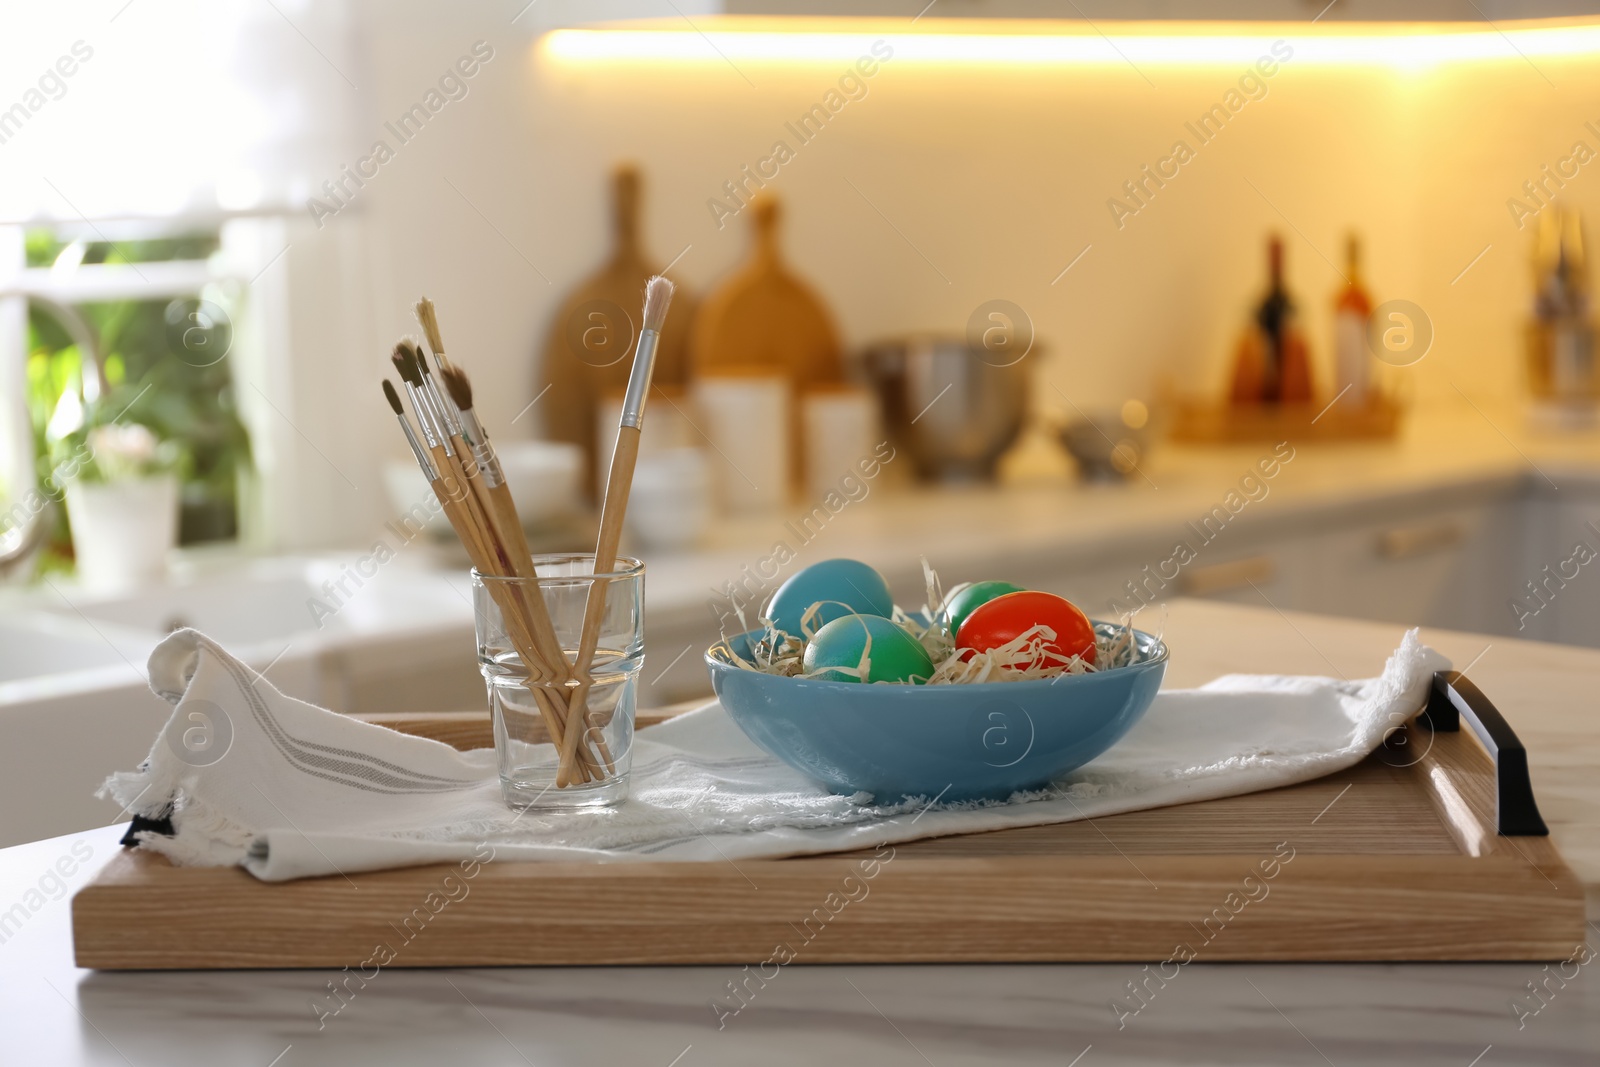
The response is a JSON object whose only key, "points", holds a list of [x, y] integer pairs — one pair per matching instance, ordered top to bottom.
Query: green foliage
{"points": [[44, 246], [150, 381]]}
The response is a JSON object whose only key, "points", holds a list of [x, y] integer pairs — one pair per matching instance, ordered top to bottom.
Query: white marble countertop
{"points": [[1457, 1015]]}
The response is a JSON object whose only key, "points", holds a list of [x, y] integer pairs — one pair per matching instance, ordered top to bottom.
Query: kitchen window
{"points": [[132, 328]]}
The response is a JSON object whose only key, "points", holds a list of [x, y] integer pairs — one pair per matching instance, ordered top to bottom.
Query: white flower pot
{"points": [[122, 531]]}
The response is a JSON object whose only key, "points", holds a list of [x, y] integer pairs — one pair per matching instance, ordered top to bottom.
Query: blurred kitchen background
{"points": [[1006, 300]]}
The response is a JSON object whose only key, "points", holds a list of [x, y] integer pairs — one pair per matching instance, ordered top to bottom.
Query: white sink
{"points": [[262, 605], [235, 611], [36, 646], [75, 704]]}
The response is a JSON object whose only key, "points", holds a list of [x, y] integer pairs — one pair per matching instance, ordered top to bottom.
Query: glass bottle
{"points": [[1352, 319]]}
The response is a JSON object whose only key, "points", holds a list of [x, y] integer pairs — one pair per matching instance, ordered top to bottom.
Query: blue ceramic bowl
{"points": [[956, 742]]}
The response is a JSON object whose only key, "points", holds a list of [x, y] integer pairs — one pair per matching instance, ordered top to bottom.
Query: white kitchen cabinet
{"points": [[1451, 558], [1455, 560], [1449, 567], [1241, 570], [1271, 572], [1573, 607]]}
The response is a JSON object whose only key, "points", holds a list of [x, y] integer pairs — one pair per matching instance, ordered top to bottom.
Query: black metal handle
{"points": [[1453, 695]]}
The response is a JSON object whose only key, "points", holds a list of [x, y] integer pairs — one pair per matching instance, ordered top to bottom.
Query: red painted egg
{"points": [[1004, 618]]}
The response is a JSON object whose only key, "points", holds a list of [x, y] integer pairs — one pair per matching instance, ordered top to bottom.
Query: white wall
{"points": [[998, 175]]}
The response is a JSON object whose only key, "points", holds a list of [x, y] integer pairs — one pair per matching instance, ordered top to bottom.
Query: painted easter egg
{"points": [[842, 586], [962, 602], [1006, 617], [894, 656]]}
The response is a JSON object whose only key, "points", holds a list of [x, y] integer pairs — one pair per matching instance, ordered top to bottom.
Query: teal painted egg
{"points": [[842, 586], [961, 603], [895, 656]]}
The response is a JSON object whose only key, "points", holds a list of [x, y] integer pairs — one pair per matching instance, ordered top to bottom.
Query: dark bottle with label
{"points": [[1275, 319]]}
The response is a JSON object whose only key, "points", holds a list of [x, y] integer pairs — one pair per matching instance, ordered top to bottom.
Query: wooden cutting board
{"points": [[763, 316], [763, 319], [589, 348], [1200, 422], [1395, 859]]}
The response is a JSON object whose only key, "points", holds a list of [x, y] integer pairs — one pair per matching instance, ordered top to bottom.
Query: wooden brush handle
{"points": [[619, 483], [459, 495], [453, 499], [501, 513], [505, 514], [500, 516], [500, 519]]}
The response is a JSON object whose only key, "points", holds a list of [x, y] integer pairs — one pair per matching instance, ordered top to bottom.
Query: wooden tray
{"points": [[1197, 422], [1395, 859]]}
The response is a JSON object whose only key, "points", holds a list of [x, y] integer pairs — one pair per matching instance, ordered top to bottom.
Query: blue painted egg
{"points": [[842, 586], [894, 655]]}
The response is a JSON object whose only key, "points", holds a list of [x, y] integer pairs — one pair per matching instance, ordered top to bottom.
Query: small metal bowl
{"points": [[1107, 445]]}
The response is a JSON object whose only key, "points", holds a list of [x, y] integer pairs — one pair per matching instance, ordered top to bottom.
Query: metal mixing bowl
{"points": [[948, 404]]}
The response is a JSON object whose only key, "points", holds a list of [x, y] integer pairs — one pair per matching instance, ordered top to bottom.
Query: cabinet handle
{"points": [[1404, 542], [1225, 577]]}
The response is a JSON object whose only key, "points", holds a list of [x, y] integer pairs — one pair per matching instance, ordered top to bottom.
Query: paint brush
{"points": [[428, 318], [458, 387], [411, 435], [625, 453], [485, 478], [619, 484], [501, 511], [470, 520]]}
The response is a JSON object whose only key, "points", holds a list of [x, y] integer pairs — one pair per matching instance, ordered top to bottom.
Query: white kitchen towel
{"points": [[247, 775]]}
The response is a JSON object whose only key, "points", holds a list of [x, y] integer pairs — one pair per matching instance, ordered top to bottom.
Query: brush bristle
{"points": [[657, 295], [429, 321], [417, 357], [405, 361], [458, 386], [392, 397]]}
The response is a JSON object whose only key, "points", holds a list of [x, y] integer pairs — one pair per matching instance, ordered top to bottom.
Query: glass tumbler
{"points": [[564, 739]]}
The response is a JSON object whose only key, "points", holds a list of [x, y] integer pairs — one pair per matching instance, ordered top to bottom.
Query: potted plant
{"points": [[122, 504]]}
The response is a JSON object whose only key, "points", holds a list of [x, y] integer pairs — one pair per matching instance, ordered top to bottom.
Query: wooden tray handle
{"points": [[1453, 695]]}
